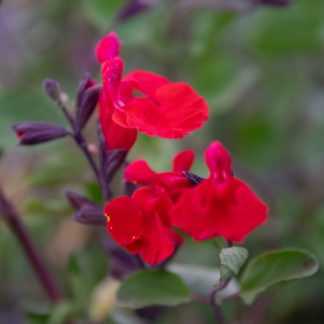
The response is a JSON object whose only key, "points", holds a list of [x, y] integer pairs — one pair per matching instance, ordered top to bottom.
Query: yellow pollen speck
{"points": [[108, 218]]}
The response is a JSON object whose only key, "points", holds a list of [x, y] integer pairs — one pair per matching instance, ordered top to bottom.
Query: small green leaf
{"points": [[233, 258], [274, 267], [152, 287]]}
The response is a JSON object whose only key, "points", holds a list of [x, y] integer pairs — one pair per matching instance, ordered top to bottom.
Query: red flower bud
{"points": [[35, 133]]}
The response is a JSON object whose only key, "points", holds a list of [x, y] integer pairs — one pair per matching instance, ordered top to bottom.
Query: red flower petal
{"points": [[107, 48], [112, 72], [146, 82], [176, 110], [116, 137], [183, 161], [218, 161], [139, 172], [174, 182], [205, 211], [124, 220], [141, 224], [160, 244]]}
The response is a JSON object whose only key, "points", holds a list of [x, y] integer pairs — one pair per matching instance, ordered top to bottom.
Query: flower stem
{"points": [[80, 140], [81, 143], [14, 223], [216, 307]]}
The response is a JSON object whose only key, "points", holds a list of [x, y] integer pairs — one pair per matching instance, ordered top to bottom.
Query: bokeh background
{"points": [[261, 69]]}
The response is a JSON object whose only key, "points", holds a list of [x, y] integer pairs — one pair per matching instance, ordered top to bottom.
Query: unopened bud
{"points": [[273, 2], [134, 7], [85, 83], [52, 89], [86, 106], [35, 133], [113, 161], [87, 212], [90, 215]]}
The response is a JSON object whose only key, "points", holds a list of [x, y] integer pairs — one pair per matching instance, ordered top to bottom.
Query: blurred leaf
{"points": [[102, 12], [296, 29], [93, 191], [233, 258], [275, 267], [201, 280], [77, 283], [152, 288], [103, 299], [62, 312]]}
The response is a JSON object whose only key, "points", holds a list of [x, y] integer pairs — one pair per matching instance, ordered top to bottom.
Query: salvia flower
{"points": [[161, 108], [36, 133], [116, 136], [174, 182], [221, 205], [140, 224]]}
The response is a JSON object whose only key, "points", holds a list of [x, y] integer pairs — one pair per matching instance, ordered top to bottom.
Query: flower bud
{"points": [[272, 2], [134, 7], [85, 83], [52, 89], [86, 104], [35, 133], [113, 161], [87, 212], [90, 215], [122, 264]]}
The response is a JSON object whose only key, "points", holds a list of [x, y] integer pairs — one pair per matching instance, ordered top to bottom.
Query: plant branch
{"points": [[80, 140], [13, 220], [213, 302]]}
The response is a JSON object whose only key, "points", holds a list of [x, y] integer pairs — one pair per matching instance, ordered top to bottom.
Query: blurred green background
{"points": [[262, 73]]}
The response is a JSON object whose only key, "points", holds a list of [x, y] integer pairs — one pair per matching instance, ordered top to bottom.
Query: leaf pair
{"points": [[161, 287]]}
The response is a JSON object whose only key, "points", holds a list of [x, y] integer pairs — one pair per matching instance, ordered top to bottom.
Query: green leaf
{"points": [[233, 258], [275, 267], [199, 279], [152, 287], [62, 312]]}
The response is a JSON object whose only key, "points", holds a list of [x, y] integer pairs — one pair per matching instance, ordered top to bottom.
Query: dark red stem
{"points": [[14, 223]]}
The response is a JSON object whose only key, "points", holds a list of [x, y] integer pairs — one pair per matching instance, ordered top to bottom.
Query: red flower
{"points": [[162, 108], [116, 137], [174, 182], [221, 205], [140, 224]]}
